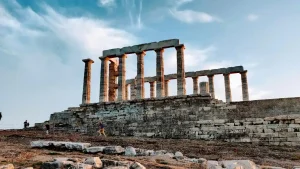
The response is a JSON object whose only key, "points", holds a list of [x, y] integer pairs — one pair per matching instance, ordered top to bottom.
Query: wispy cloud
{"points": [[107, 3], [134, 12], [190, 16], [252, 17]]}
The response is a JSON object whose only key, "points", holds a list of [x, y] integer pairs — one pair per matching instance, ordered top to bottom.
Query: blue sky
{"points": [[42, 44]]}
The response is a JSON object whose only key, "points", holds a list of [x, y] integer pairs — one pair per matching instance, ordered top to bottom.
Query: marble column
{"points": [[180, 71], [113, 72], [159, 73], [122, 77], [103, 80], [195, 85], [211, 85], [245, 86], [166, 88], [227, 88], [152, 89], [140, 90], [204, 90], [126, 91], [132, 91], [86, 92]]}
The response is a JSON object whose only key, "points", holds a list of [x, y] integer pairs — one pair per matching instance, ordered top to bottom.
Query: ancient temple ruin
{"points": [[113, 66], [196, 116]]}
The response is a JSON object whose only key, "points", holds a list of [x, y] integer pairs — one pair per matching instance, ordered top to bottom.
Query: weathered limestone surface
{"points": [[113, 73], [159, 73], [103, 80], [195, 85], [211, 85], [166, 86], [245, 86], [227, 88], [152, 89], [204, 90], [140, 93], [86, 94], [273, 122]]}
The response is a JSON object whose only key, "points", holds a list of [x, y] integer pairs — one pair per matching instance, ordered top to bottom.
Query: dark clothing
{"points": [[0, 115], [25, 124], [47, 126], [101, 126]]}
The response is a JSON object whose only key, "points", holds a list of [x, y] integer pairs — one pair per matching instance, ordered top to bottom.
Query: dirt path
{"points": [[15, 148]]}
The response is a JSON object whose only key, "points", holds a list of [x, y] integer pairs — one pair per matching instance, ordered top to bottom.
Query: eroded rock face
{"points": [[59, 145], [94, 149], [113, 150], [130, 151], [179, 155], [94, 161], [137, 165]]}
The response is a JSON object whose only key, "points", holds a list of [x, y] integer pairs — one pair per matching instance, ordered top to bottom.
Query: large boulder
{"points": [[113, 150], [130, 151], [179, 155], [94, 161], [238, 164], [8, 166]]}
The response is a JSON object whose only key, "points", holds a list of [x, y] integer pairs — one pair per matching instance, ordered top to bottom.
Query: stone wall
{"points": [[274, 121]]}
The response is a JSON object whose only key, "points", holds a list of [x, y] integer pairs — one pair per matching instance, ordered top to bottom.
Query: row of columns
{"points": [[137, 88]]}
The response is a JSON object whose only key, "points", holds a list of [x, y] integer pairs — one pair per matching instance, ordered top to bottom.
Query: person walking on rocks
{"points": [[47, 128], [101, 129]]}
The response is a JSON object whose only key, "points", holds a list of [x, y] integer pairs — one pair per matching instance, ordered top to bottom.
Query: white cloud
{"points": [[107, 3], [134, 12], [190, 16], [252, 17], [40, 63]]}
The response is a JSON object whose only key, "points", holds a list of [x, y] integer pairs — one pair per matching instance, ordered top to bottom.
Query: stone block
{"points": [[168, 43], [111, 52], [287, 134], [94, 149], [113, 150], [130, 151], [94, 161], [241, 164], [137, 165], [8, 166]]}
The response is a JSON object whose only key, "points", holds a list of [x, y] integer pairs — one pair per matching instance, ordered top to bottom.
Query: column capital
{"points": [[179, 47], [158, 50], [143, 53], [103, 58], [87, 60], [245, 71], [226, 74], [211, 75], [195, 77], [152, 82]]}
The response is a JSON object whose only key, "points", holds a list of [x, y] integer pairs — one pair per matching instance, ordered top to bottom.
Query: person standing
{"points": [[0, 116], [25, 124], [47, 128], [101, 129]]}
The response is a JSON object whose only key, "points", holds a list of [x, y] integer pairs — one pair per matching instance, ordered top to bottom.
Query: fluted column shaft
{"points": [[113, 71], [180, 71], [159, 73], [122, 77], [103, 80], [195, 85], [211, 85], [245, 86], [166, 88], [227, 88], [152, 89], [126, 91], [132, 91], [140, 91], [86, 92]]}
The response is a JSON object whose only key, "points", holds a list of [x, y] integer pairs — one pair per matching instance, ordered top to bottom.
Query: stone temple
{"points": [[196, 116]]}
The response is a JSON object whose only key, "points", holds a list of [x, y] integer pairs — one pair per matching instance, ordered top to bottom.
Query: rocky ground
{"points": [[15, 148]]}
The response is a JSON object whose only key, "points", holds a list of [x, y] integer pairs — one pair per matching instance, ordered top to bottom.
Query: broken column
{"points": [[180, 71], [159, 73], [122, 77], [112, 79], [103, 80], [166, 85], [195, 85], [211, 85], [245, 86], [227, 87], [152, 89], [204, 91], [86, 93], [140, 93]]}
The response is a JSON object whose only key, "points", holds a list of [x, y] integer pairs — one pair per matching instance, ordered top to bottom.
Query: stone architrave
{"points": [[180, 71], [113, 72], [159, 73], [122, 77], [103, 80], [195, 85], [211, 85], [245, 86], [227, 87], [166, 88], [152, 89], [140, 90], [204, 90], [86, 92]]}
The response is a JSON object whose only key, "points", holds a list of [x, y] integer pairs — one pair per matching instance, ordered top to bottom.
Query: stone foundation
{"points": [[274, 121]]}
